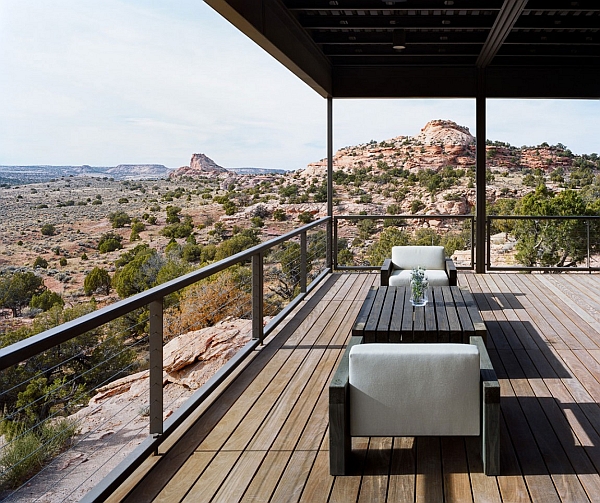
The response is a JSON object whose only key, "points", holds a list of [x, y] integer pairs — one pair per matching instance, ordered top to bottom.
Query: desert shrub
{"points": [[123, 200], [416, 205], [260, 210], [279, 215], [173, 216], [305, 217], [119, 219], [257, 222], [138, 226], [365, 228], [179, 229], [48, 230], [425, 237], [109, 242], [235, 244], [382, 249], [191, 252], [62, 261], [40, 262], [139, 273], [97, 280], [46, 300], [210, 301], [29, 451]]}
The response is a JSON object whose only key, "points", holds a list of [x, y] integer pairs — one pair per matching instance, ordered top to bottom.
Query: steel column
{"points": [[329, 181], [480, 212], [156, 367]]}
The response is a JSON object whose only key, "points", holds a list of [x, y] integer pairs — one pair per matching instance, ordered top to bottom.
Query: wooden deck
{"points": [[265, 438]]}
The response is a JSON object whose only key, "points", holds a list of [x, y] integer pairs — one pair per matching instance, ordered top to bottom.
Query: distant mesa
{"points": [[202, 165], [124, 171], [44, 173]]}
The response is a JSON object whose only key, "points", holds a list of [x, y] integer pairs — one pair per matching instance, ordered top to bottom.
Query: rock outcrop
{"points": [[445, 133], [200, 165]]}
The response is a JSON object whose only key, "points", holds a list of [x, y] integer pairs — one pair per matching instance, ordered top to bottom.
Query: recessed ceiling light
{"points": [[449, 2], [445, 21], [399, 40]]}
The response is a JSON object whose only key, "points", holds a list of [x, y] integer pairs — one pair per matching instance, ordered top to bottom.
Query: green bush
{"points": [[279, 215], [305, 217], [119, 219], [48, 230], [109, 242], [40, 262], [97, 280], [46, 300]]}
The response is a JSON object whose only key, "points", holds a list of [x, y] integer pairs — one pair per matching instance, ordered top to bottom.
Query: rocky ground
{"points": [[116, 419]]}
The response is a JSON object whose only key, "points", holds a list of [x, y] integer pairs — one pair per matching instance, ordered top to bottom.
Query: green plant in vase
{"points": [[418, 287]]}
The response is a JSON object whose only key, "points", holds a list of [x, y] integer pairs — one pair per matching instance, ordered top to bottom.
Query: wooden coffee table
{"points": [[451, 315]]}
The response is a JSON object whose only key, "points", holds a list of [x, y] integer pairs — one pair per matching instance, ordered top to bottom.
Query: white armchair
{"points": [[441, 270], [389, 390]]}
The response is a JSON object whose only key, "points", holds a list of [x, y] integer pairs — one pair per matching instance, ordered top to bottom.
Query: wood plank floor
{"points": [[265, 438]]}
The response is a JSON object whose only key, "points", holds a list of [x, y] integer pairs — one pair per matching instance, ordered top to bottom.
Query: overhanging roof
{"points": [[343, 48]]}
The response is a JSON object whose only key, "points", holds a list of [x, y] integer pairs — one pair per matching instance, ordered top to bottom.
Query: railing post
{"points": [[488, 241], [473, 242], [335, 243], [330, 259], [589, 262], [303, 279], [257, 297], [156, 367]]}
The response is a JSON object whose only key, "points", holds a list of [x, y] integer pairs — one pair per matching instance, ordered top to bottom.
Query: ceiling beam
{"points": [[383, 5], [312, 22], [272, 27], [502, 27], [385, 37], [364, 81], [550, 82]]}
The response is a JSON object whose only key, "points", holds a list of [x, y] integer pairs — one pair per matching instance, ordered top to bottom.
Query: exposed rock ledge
{"points": [[188, 360]]}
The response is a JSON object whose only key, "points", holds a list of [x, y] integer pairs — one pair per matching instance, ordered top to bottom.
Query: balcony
{"points": [[257, 431], [264, 435]]}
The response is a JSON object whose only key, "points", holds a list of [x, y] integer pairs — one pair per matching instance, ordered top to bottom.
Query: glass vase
{"points": [[418, 293]]}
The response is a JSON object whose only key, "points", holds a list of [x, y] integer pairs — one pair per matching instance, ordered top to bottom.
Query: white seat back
{"points": [[409, 257], [414, 389]]}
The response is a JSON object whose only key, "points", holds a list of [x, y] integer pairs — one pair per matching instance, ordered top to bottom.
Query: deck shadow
{"points": [[543, 436], [538, 438]]}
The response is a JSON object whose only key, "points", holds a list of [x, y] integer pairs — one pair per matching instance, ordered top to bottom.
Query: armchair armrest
{"points": [[386, 270], [451, 272], [490, 410], [340, 442]]}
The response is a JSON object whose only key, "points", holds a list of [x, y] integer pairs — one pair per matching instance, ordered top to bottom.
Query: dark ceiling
{"points": [[343, 48]]}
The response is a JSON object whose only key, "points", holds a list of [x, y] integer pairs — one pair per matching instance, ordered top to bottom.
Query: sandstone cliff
{"points": [[200, 165]]}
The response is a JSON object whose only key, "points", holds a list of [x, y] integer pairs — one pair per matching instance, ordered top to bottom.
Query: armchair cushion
{"points": [[428, 257], [401, 277], [414, 389]]}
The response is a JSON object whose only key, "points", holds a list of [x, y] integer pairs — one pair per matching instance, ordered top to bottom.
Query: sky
{"points": [[128, 82]]}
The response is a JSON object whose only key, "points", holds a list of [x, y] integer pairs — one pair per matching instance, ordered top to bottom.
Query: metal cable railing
{"points": [[361, 236], [543, 243], [242, 285]]}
